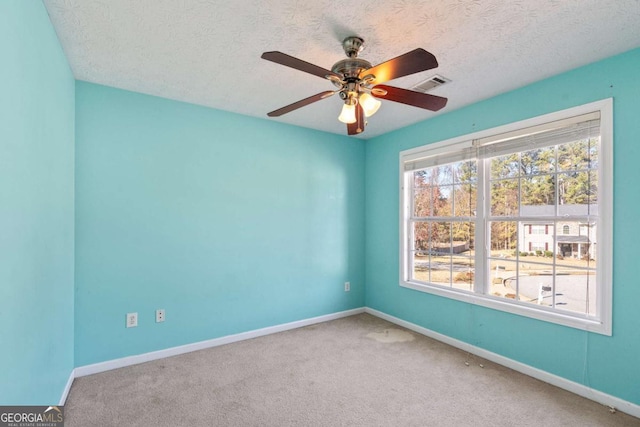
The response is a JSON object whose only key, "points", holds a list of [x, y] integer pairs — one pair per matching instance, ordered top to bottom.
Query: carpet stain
{"points": [[391, 336]]}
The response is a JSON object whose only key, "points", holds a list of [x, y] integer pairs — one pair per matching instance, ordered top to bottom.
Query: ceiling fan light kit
{"points": [[359, 83], [370, 105], [348, 113]]}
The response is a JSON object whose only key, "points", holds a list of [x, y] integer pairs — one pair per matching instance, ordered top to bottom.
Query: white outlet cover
{"points": [[160, 315], [132, 320]]}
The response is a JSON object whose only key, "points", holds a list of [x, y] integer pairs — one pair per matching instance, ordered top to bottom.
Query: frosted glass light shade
{"points": [[369, 104], [348, 114]]}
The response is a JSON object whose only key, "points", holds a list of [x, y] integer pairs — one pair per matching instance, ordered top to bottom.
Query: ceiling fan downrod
{"points": [[352, 46]]}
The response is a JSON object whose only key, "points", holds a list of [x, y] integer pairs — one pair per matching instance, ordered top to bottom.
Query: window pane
{"points": [[575, 156], [538, 161], [505, 166], [465, 172], [445, 174], [424, 178], [576, 189], [538, 190], [504, 197], [443, 200], [464, 200], [422, 201], [463, 234], [422, 236], [441, 237], [536, 238], [503, 239], [576, 244], [421, 267], [440, 269], [463, 271], [504, 279], [535, 283], [576, 293]]}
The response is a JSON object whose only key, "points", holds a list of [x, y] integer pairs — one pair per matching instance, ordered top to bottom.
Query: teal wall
{"points": [[36, 207], [227, 222], [604, 363]]}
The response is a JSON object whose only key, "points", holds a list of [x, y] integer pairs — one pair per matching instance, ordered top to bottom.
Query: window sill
{"points": [[514, 307]]}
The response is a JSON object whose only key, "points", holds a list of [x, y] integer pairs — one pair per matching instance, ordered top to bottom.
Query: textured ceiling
{"points": [[208, 51]]}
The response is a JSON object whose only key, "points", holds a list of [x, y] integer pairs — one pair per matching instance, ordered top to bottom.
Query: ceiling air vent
{"points": [[430, 83]]}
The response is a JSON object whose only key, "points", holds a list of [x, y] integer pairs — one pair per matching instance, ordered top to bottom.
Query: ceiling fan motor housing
{"points": [[351, 67]]}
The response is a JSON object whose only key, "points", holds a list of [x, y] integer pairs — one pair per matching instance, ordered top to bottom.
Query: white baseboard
{"points": [[174, 351], [67, 387], [576, 388]]}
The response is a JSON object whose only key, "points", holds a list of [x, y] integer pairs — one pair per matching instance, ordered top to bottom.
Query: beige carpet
{"points": [[357, 371]]}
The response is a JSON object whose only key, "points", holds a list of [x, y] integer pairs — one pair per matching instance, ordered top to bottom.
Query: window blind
{"points": [[559, 132], [441, 156]]}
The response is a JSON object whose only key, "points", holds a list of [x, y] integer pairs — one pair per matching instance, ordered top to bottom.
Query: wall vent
{"points": [[430, 83]]}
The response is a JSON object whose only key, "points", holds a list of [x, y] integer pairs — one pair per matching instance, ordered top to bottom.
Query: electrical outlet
{"points": [[347, 286], [160, 315], [132, 320]]}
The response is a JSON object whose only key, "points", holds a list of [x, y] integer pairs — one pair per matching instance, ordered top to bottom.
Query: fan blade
{"points": [[411, 62], [298, 64], [409, 97], [301, 103], [358, 126]]}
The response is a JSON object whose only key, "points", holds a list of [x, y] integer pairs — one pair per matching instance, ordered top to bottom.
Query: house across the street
{"points": [[574, 237]]}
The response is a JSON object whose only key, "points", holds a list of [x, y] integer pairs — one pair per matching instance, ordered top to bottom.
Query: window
{"points": [[486, 218], [538, 229], [538, 247]]}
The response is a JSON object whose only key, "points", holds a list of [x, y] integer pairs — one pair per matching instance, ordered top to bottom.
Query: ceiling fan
{"points": [[359, 84]]}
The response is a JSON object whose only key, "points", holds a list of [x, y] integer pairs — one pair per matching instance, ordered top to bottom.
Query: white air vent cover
{"points": [[430, 83]]}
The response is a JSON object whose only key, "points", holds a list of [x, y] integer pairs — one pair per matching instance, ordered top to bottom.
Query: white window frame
{"points": [[600, 323]]}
